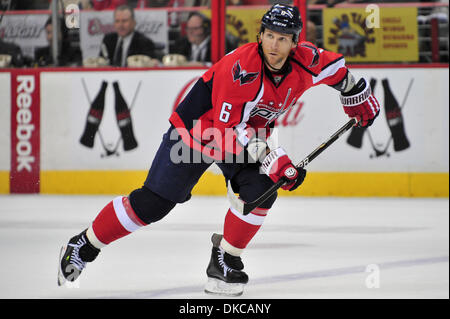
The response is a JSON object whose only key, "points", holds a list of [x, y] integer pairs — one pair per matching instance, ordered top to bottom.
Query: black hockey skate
{"points": [[73, 258], [225, 275]]}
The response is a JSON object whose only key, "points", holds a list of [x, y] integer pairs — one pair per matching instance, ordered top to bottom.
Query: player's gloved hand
{"points": [[360, 103], [277, 165]]}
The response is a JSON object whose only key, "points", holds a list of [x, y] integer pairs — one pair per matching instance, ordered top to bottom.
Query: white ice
{"points": [[307, 248]]}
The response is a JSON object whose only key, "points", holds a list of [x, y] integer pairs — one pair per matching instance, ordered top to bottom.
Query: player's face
{"points": [[123, 22], [276, 47]]}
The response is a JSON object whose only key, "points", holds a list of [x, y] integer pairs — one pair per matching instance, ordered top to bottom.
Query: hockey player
{"points": [[221, 120]]}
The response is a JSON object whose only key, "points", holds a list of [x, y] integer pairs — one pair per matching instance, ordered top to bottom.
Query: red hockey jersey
{"points": [[239, 95]]}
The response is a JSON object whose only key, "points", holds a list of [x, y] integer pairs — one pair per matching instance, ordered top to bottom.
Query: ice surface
{"points": [[307, 248]]}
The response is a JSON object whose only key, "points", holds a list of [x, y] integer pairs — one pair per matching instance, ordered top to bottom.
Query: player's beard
{"points": [[276, 64]]}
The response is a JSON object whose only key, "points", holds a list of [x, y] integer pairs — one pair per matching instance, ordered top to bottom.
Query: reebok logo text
{"points": [[24, 131]]}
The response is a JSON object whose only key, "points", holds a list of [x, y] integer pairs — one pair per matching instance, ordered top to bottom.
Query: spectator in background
{"points": [[258, 2], [154, 3], [167, 3], [196, 3], [332, 3], [29, 4], [46, 4], [82, 4], [107, 4], [311, 32], [125, 41], [196, 45], [10, 55], [68, 55]]}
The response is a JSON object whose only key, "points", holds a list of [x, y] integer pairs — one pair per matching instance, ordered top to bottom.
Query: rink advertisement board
{"points": [[25, 30], [25, 132], [5, 136], [405, 152]]}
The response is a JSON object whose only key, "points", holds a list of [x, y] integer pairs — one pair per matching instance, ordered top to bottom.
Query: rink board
{"points": [[60, 103]]}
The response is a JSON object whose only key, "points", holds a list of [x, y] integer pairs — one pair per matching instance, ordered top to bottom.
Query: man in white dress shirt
{"points": [[125, 41]]}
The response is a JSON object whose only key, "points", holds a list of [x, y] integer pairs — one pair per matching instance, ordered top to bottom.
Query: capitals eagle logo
{"points": [[243, 76]]}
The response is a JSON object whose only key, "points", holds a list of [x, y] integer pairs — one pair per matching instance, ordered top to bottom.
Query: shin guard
{"points": [[116, 220], [240, 229]]}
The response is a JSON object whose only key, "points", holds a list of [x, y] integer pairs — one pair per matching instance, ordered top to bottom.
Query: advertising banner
{"points": [[242, 24], [25, 30], [372, 34], [107, 120], [91, 131], [25, 132], [5, 137], [398, 141]]}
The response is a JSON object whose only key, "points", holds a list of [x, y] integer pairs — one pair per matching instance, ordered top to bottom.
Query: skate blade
{"points": [[62, 281], [218, 287]]}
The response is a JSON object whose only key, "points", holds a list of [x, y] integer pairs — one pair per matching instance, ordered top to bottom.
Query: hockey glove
{"points": [[360, 103], [277, 165]]}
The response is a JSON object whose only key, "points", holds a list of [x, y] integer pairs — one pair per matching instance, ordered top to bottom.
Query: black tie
{"points": [[118, 53]]}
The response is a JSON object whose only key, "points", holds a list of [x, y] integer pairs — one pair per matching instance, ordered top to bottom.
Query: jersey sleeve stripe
{"points": [[332, 62], [331, 70]]}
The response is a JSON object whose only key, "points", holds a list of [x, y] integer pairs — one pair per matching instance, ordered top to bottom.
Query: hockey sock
{"points": [[94, 117], [124, 120], [115, 220], [238, 229]]}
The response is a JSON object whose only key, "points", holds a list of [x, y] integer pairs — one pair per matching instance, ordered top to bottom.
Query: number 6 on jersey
{"points": [[224, 112]]}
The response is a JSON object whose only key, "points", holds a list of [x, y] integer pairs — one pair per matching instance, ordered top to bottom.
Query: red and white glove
{"points": [[360, 103], [277, 165]]}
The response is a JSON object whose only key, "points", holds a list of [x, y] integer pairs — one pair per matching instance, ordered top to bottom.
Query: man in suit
{"points": [[125, 41], [196, 46], [14, 51], [69, 51]]}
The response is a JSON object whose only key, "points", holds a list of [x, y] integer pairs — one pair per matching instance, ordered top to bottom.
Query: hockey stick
{"points": [[245, 208]]}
